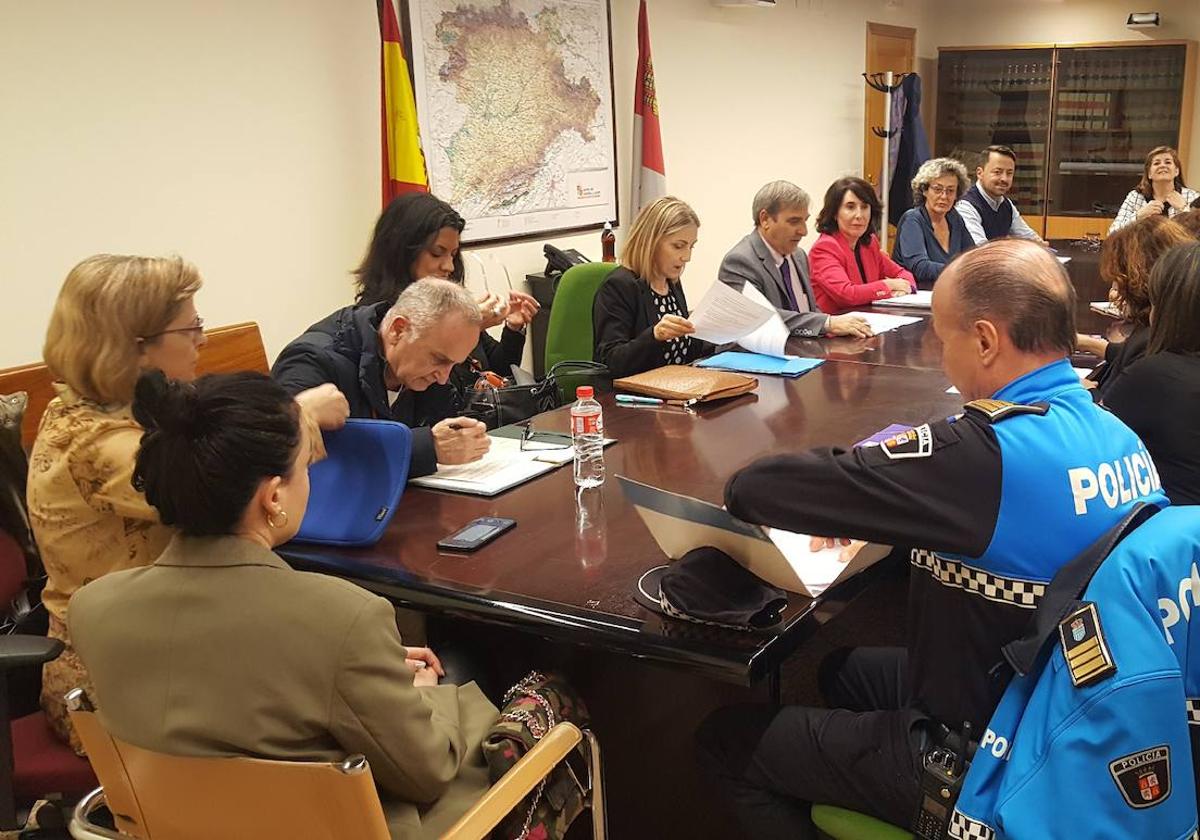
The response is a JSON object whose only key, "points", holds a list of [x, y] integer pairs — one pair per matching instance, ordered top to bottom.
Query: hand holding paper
{"points": [[724, 316]]}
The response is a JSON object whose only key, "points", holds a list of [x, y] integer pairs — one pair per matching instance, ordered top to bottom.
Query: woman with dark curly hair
{"points": [[1126, 260]]}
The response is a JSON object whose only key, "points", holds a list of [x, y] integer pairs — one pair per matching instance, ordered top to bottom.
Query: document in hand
{"points": [[922, 299], [1104, 307], [724, 316], [882, 322], [771, 338], [791, 366], [681, 523]]}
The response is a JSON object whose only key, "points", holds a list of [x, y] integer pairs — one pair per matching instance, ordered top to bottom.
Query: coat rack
{"points": [[886, 83]]}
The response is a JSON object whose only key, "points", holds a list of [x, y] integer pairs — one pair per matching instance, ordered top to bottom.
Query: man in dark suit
{"points": [[770, 259]]}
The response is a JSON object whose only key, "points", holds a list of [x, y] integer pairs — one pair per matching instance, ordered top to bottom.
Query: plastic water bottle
{"points": [[587, 435]]}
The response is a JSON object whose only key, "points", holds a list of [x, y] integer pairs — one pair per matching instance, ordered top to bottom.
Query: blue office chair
{"points": [[356, 488]]}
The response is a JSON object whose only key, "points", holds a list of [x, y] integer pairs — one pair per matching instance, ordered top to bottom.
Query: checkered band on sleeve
{"points": [[1025, 594], [1193, 711], [963, 827]]}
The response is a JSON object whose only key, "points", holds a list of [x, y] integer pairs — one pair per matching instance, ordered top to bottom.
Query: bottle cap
{"points": [[584, 392]]}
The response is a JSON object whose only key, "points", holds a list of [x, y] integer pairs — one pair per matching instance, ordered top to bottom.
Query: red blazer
{"points": [[836, 281]]}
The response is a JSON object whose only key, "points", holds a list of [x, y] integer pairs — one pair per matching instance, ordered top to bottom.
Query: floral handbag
{"points": [[531, 708]]}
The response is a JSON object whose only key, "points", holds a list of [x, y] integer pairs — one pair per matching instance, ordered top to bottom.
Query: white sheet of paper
{"points": [[1064, 260], [921, 299], [1105, 307], [724, 316], [882, 322], [771, 338], [1083, 374], [818, 570]]}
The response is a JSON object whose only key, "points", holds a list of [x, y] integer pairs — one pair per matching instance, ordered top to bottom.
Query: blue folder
{"points": [[759, 363], [356, 487]]}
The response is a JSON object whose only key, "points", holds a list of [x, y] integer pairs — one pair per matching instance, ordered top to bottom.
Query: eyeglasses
{"points": [[938, 189], [195, 328], [532, 441]]}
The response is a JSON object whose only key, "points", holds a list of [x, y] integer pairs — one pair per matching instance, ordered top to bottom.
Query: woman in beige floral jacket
{"points": [[115, 316]]}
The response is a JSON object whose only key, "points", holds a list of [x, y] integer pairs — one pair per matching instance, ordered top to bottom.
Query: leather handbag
{"points": [[687, 384], [513, 403]]}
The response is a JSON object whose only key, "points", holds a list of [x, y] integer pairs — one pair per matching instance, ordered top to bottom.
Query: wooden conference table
{"points": [[559, 587]]}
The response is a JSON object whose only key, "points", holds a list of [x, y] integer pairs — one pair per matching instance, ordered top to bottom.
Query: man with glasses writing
{"points": [[393, 361]]}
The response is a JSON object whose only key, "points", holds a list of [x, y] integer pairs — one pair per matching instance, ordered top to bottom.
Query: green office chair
{"points": [[569, 335], [841, 824]]}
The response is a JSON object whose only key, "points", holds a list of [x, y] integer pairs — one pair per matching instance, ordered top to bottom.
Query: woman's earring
{"points": [[271, 519]]}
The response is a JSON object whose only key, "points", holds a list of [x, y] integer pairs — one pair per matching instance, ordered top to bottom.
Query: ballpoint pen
{"points": [[630, 399]]}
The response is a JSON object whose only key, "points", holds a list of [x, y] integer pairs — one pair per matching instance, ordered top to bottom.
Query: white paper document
{"points": [[1064, 260], [922, 299], [1105, 307], [724, 316], [882, 322], [771, 338], [505, 465], [819, 570]]}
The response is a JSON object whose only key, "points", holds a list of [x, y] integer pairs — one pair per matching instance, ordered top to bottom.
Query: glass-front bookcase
{"points": [[1081, 119]]}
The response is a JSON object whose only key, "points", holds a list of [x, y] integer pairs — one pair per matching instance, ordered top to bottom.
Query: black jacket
{"points": [[623, 319], [344, 349], [1118, 356], [1159, 398]]}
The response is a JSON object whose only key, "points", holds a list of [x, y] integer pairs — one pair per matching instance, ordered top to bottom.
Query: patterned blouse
{"points": [[1135, 201], [675, 351]]}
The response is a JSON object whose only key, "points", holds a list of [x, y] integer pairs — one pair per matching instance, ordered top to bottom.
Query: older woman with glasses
{"points": [[932, 232], [115, 316]]}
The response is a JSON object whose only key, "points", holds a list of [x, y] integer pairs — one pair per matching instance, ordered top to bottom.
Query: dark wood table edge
{"points": [[600, 631]]}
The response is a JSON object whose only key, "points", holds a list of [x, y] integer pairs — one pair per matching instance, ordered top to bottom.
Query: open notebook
{"points": [[504, 466], [681, 523]]}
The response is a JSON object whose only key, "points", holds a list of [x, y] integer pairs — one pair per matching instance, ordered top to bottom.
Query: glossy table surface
{"points": [[569, 569]]}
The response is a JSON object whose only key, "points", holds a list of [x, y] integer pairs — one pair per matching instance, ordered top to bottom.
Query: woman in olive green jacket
{"points": [[220, 648]]}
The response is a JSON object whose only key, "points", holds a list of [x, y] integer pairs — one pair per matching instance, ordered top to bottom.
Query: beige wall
{"points": [[959, 23], [244, 135]]}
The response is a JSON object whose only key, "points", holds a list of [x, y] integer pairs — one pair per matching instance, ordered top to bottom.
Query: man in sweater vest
{"points": [[986, 208]]}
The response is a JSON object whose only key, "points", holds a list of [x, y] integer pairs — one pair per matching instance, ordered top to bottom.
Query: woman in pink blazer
{"points": [[848, 268]]}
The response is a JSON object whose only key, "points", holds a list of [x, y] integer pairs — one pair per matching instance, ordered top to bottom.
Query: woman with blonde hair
{"points": [[1161, 192], [1126, 260], [115, 316], [639, 317]]}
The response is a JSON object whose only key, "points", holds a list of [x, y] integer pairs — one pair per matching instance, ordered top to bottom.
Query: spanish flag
{"points": [[403, 161]]}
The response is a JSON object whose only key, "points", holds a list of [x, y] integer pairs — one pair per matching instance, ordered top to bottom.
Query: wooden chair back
{"points": [[233, 348], [154, 796]]}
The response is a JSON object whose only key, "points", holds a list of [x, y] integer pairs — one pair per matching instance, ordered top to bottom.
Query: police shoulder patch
{"points": [[996, 410], [913, 443], [1084, 647], [1144, 778]]}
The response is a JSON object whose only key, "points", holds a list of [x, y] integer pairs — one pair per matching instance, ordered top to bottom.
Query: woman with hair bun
{"points": [[115, 316], [223, 649]]}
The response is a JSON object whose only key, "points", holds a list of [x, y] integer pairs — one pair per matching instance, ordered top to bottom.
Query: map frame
{"points": [[500, 228]]}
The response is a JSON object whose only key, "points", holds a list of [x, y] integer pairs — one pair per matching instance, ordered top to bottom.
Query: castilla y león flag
{"points": [[403, 161], [649, 171]]}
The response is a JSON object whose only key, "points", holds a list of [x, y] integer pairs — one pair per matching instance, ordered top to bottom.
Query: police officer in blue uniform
{"points": [[992, 502], [1097, 737]]}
